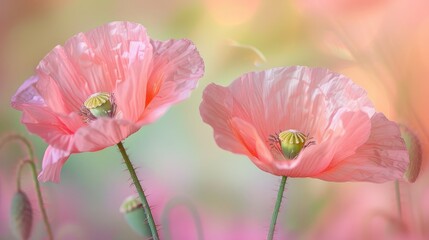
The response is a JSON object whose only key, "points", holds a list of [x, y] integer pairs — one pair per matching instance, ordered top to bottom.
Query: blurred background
{"points": [[380, 44]]}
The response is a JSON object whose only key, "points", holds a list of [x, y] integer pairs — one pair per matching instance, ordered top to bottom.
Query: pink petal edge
{"points": [[177, 67], [215, 111], [382, 158], [52, 163]]}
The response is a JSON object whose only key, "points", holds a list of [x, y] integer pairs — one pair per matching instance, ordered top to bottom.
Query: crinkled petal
{"points": [[115, 56], [135, 66], [177, 67], [27, 94], [298, 98], [302, 98], [215, 110], [39, 119], [55, 129], [353, 132], [102, 133], [350, 133], [257, 151], [382, 158], [53, 161], [311, 161]]}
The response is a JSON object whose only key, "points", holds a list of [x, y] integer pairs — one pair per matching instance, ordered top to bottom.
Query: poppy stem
{"points": [[25, 143], [30, 161], [139, 188], [39, 192], [398, 198], [277, 208]]}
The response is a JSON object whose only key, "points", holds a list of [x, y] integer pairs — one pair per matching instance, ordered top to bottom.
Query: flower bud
{"points": [[292, 142], [414, 151], [21, 215], [135, 215]]}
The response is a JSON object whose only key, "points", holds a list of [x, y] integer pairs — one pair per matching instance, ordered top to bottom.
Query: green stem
{"points": [[18, 137], [139, 188], [39, 193], [398, 198], [277, 208]]}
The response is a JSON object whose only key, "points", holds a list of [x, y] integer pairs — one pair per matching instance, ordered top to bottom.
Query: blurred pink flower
{"points": [[385, 45], [102, 86], [345, 139], [375, 213], [372, 216]]}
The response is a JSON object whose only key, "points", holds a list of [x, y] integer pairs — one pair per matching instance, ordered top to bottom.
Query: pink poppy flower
{"points": [[102, 86], [305, 122]]}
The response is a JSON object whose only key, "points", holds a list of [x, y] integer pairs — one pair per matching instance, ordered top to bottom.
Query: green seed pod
{"points": [[99, 104], [292, 142], [415, 152], [135, 215], [21, 216]]}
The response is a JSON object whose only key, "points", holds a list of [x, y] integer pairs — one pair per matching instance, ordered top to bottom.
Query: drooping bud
{"points": [[99, 104], [292, 142], [414, 151], [135, 215], [21, 216]]}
